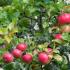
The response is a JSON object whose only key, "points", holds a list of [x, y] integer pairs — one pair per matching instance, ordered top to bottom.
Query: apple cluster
{"points": [[64, 21], [17, 53], [43, 57]]}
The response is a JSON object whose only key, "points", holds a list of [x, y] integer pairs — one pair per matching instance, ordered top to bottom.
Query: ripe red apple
{"points": [[64, 18], [58, 36], [21, 46], [16, 53], [7, 57], [27, 58], [43, 58]]}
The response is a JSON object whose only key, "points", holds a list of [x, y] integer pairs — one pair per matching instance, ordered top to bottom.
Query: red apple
{"points": [[64, 18], [58, 36], [21, 46], [16, 53], [7, 57], [27, 58], [43, 58]]}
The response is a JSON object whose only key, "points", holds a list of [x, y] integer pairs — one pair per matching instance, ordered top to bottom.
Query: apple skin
{"points": [[64, 18], [58, 36], [21, 46], [16, 53], [7, 57], [27, 58], [43, 58]]}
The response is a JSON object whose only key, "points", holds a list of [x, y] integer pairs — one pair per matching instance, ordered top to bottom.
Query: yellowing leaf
{"points": [[10, 26], [14, 30], [3, 31], [8, 38], [58, 58]]}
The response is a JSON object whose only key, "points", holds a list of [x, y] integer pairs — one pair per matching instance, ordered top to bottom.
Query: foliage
{"points": [[32, 22]]}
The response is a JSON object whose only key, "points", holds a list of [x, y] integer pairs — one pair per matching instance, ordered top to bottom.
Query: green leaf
{"points": [[3, 31], [66, 37], [1, 41], [57, 41], [56, 51], [58, 58]]}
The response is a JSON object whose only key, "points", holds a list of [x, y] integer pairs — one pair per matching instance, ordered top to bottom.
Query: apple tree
{"points": [[35, 34]]}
